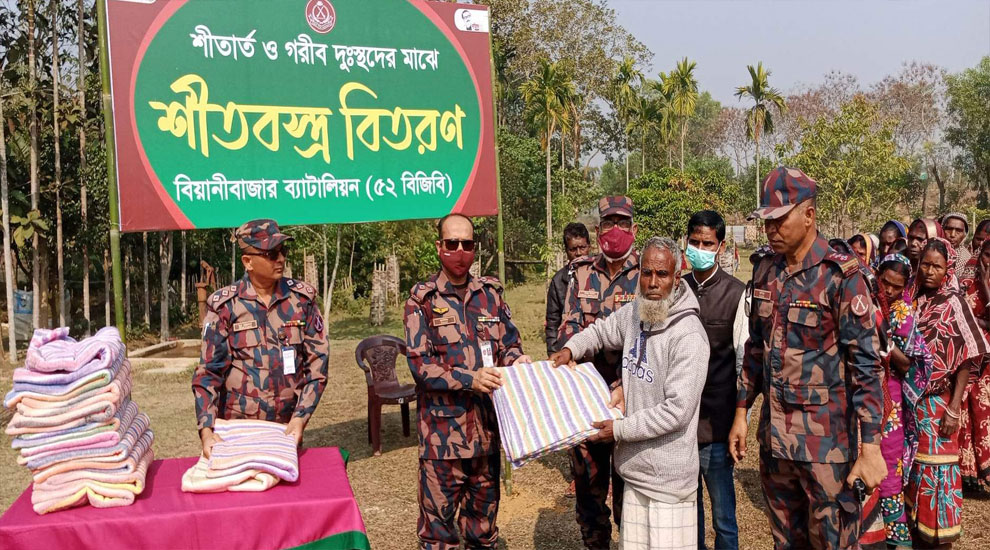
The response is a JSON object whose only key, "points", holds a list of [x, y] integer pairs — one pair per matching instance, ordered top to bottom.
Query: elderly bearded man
{"points": [[664, 365]]}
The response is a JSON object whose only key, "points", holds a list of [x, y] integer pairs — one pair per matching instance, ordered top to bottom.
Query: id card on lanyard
{"points": [[487, 358]]}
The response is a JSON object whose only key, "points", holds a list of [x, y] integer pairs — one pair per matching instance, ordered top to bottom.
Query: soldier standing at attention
{"points": [[601, 284], [458, 330], [264, 345], [813, 353]]}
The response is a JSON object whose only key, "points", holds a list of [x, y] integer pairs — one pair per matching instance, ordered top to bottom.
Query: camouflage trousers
{"points": [[592, 468], [470, 484], [809, 504]]}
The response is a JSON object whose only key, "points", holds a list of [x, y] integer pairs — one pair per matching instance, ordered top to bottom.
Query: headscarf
{"points": [[959, 216], [933, 229], [901, 230], [875, 239], [871, 247], [949, 328]]}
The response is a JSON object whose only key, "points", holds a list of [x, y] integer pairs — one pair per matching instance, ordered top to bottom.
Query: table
{"points": [[317, 512]]}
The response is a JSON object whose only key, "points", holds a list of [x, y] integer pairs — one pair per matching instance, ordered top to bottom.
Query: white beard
{"points": [[654, 312]]}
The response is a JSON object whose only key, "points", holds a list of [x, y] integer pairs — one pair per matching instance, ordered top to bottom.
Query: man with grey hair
{"points": [[664, 365]]}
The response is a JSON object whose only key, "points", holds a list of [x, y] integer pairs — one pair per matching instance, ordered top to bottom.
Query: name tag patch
{"points": [[588, 294], [761, 294], [444, 321], [246, 325]]}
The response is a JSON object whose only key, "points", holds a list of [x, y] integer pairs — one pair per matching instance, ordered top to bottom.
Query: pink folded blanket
{"points": [[55, 350], [25, 378], [90, 381], [46, 404], [97, 409], [20, 425], [132, 425], [25, 441], [253, 445], [128, 464], [197, 480], [99, 489]]}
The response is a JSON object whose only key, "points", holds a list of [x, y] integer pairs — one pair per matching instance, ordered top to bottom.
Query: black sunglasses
{"points": [[452, 244], [272, 254]]}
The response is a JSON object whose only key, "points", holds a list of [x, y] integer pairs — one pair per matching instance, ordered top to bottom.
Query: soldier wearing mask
{"points": [[601, 285]]}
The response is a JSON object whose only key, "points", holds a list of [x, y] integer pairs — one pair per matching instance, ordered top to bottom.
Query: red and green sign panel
{"points": [[305, 111]]}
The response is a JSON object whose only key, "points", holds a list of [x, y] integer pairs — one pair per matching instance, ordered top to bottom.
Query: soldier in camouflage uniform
{"points": [[600, 285], [458, 330], [265, 349], [814, 355]]}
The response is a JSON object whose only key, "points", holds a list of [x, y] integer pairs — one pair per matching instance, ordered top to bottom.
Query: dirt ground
{"points": [[536, 516]]}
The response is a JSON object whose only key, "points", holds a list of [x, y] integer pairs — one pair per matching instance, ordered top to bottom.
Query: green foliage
{"points": [[969, 132], [853, 157], [665, 199]]}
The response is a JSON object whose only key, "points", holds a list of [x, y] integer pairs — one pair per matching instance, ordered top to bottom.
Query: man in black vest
{"points": [[723, 313]]}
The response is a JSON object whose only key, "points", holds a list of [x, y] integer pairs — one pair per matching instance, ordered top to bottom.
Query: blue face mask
{"points": [[701, 260]]}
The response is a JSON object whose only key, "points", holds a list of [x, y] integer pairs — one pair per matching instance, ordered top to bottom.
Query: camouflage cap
{"points": [[783, 189], [615, 205], [261, 234]]}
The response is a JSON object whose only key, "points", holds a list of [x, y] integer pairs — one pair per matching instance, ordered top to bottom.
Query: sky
{"points": [[802, 40]]}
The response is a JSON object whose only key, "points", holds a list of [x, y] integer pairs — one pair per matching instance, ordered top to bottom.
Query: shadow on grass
{"points": [[352, 435], [749, 479], [555, 527]]}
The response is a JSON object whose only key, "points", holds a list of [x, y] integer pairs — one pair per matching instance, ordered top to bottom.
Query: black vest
{"points": [[719, 300]]}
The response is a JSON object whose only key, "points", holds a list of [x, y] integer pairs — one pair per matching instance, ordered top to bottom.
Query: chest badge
{"points": [[588, 294], [624, 298], [441, 310], [444, 321], [246, 325]]}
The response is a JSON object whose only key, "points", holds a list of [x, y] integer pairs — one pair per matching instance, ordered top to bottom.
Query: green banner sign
{"points": [[306, 111]]}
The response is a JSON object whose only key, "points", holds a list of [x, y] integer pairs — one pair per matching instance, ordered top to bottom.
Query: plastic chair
{"points": [[376, 355]]}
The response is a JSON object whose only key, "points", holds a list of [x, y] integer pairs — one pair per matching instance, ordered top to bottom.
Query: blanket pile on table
{"points": [[74, 423], [252, 455]]}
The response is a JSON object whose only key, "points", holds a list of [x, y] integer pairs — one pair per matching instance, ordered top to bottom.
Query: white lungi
{"points": [[649, 524]]}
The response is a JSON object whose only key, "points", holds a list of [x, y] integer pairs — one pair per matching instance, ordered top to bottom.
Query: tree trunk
{"points": [[81, 94], [57, 132], [683, 132], [625, 136], [642, 152], [670, 157], [757, 171], [940, 183], [35, 189], [550, 206], [165, 253], [8, 258], [233, 261], [350, 268], [183, 273], [147, 282], [106, 284], [127, 286], [328, 302]]}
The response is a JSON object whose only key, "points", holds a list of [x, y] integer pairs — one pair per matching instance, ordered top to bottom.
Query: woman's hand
{"points": [[949, 424]]}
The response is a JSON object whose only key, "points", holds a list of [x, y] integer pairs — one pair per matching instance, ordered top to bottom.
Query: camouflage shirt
{"points": [[591, 295], [445, 330], [814, 354], [241, 372]]}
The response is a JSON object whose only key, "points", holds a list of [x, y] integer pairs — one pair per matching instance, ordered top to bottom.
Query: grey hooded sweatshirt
{"points": [[657, 442]]}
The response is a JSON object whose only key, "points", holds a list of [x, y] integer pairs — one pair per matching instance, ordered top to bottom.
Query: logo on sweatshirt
{"points": [[638, 369]]}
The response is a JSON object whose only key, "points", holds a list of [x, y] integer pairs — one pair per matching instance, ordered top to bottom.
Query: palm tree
{"points": [[683, 90], [547, 95], [624, 95], [81, 98], [666, 117], [646, 119], [759, 119], [57, 131]]}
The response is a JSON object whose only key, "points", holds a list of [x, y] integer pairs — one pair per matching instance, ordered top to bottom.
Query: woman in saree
{"points": [[918, 234], [862, 245], [957, 345], [907, 368], [974, 430]]}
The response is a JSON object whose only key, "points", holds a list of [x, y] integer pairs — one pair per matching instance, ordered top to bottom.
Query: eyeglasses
{"points": [[624, 223], [453, 244], [272, 255]]}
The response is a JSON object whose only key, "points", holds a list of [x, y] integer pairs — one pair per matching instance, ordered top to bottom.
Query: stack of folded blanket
{"points": [[74, 423], [252, 455]]}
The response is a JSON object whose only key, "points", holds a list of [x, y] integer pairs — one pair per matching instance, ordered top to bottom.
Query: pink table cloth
{"points": [[318, 511]]}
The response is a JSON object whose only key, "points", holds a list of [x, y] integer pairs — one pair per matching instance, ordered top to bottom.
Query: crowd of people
{"points": [[869, 354]]}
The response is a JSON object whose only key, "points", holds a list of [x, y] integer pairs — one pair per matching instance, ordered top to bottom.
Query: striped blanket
{"points": [[55, 350], [542, 409], [86, 440], [253, 445], [107, 453], [127, 465], [198, 480], [102, 489]]}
